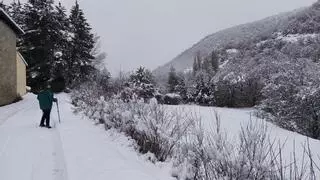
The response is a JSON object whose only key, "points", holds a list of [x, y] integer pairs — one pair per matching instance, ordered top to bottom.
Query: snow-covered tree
{"points": [[4, 6], [17, 13], [39, 40], [55, 45], [62, 55], [214, 61], [197, 62], [80, 64], [173, 80], [142, 83], [204, 94]]}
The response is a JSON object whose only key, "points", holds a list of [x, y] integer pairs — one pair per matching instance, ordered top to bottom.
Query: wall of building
{"points": [[8, 65], [21, 76]]}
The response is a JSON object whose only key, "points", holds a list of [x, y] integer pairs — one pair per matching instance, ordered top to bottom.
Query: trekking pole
{"points": [[58, 112]]}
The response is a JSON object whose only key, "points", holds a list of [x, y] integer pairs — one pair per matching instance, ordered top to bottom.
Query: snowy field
{"points": [[233, 119], [74, 150], [79, 150]]}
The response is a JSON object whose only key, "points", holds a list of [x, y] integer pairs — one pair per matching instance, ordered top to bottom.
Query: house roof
{"points": [[10, 22]]}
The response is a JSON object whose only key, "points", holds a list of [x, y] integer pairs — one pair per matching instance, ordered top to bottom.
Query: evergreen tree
{"points": [[4, 6], [17, 13], [39, 40], [62, 43], [57, 47], [214, 61], [196, 63], [80, 64], [194, 66], [207, 66], [142, 76], [173, 80], [142, 83], [181, 87], [204, 89]]}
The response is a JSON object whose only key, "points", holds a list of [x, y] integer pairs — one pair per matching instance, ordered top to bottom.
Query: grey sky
{"points": [[152, 32]]}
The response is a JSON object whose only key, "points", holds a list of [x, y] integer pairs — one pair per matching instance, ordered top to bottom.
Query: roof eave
{"points": [[11, 23], [22, 58]]}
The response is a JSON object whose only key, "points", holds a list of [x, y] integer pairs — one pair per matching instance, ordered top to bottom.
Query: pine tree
{"points": [[4, 6], [17, 13], [39, 41], [62, 43], [56, 46], [214, 61], [196, 63], [80, 64], [207, 66], [194, 67], [142, 75], [173, 80], [142, 83], [181, 88], [204, 93]]}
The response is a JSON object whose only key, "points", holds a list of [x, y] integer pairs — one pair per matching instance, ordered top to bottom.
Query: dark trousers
{"points": [[45, 117]]}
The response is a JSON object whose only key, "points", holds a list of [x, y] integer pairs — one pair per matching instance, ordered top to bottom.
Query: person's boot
{"points": [[42, 125], [49, 127]]}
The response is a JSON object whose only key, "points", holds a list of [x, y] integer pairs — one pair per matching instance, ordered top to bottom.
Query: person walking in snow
{"points": [[46, 99]]}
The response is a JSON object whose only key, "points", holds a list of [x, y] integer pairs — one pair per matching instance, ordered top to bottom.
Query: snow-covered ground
{"points": [[293, 38], [233, 119], [78, 149], [75, 150]]}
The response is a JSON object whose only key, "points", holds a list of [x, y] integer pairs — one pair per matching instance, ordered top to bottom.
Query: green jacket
{"points": [[46, 99]]}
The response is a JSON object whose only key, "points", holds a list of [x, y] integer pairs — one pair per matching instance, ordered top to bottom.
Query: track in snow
{"points": [[74, 150], [27, 151]]}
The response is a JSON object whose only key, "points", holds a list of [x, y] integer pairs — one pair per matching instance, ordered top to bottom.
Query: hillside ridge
{"points": [[233, 35]]}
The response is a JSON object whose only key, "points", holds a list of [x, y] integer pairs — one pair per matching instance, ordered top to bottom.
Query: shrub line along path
{"points": [[74, 150]]}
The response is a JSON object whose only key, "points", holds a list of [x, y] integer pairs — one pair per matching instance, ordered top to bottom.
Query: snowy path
{"points": [[75, 150], [26, 151]]}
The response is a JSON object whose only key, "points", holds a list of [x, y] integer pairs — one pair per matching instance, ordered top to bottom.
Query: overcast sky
{"points": [[152, 32]]}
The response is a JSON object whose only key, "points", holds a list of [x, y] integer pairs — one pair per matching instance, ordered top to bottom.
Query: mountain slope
{"points": [[232, 36], [261, 64]]}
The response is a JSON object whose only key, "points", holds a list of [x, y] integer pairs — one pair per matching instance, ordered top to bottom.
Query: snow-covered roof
{"points": [[10, 22]]}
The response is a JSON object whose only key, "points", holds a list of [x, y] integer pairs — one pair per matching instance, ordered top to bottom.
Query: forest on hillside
{"points": [[277, 73]]}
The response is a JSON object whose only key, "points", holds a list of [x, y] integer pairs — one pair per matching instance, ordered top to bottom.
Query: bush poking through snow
{"points": [[172, 99], [154, 128], [158, 130], [198, 154], [255, 156]]}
